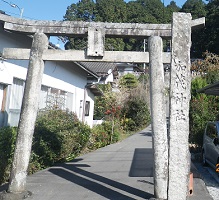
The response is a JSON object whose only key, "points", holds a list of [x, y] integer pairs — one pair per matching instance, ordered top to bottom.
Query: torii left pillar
{"points": [[17, 183]]}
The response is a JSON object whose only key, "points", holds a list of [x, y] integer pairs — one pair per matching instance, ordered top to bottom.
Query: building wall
{"points": [[110, 77], [63, 78]]}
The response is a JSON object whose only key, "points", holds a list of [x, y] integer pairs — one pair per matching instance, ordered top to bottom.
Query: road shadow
{"points": [[148, 133], [142, 163], [72, 173], [4, 187]]}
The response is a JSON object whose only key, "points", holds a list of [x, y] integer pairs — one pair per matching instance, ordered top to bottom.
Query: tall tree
{"points": [[172, 7], [155, 8], [197, 9], [84, 10], [112, 10], [137, 13], [212, 27]]}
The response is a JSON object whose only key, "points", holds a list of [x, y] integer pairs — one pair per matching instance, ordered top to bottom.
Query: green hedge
{"points": [[136, 114], [104, 134], [59, 136], [7, 146]]}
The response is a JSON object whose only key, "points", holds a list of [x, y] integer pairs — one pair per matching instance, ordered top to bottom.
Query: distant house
{"points": [[125, 68], [107, 72], [110, 72], [64, 85]]}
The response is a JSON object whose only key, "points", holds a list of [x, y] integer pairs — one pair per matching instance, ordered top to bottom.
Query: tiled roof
{"points": [[100, 68]]}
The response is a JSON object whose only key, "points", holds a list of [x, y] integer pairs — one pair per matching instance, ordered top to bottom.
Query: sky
{"points": [[46, 9]]}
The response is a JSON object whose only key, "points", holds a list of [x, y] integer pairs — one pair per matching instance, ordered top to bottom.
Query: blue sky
{"points": [[46, 9]]}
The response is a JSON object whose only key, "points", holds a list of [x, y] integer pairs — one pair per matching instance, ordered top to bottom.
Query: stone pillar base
{"points": [[14, 196]]}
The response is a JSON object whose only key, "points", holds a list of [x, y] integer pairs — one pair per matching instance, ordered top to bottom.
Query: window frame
{"points": [[87, 108]]}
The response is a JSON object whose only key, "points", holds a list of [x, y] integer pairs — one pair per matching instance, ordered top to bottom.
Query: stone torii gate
{"points": [[172, 160]]}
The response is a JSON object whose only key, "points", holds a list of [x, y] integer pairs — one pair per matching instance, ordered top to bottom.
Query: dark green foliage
{"points": [[172, 7], [154, 8], [197, 9], [84, 10], [111, 10], [117, 11], [146, 11], [136, 13], [211, 34], [128, 81], [105, 102], [203, 108], [136, 110], [128, 124], [104, 134], [59, 136], [7, 146]]}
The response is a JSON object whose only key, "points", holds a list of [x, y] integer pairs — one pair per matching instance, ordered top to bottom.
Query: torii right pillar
{"points": [[180, 81]]}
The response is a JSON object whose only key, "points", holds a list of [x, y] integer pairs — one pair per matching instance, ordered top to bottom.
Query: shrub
{"points": [[203, 108], [136, 110], [128, 124], [104, 134], [58, 137], [7, 146]]}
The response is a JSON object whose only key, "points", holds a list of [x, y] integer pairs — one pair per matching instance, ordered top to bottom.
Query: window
{"points": [[3, 93], [17, 93], [49, 97], [54, 98], [87, 108]]}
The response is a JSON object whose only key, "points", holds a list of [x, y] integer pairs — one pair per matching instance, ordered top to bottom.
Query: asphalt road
{"points": [[119, 171]]}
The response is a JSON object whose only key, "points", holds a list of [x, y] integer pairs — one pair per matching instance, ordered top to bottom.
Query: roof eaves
{"points": [[87, 70], [94, 89]]}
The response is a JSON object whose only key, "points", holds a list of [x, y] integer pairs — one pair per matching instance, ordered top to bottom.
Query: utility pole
{"points": [[15, 6]]}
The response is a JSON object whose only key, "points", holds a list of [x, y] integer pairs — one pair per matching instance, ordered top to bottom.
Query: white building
{"points": [[64, 84]]}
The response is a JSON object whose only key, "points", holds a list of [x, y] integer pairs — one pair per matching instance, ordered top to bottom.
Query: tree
{"points": [[172, 7], [195, 7], [198, 9], [84, 10], [102, 10], [111, 10], [137, 13], [211, 39], [207, 68], [128, 81], [105, 102], [203, 107]]}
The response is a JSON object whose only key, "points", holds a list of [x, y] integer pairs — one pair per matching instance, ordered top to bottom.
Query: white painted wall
{"points": [[66, 76], [109, 78], [1, 113]]}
